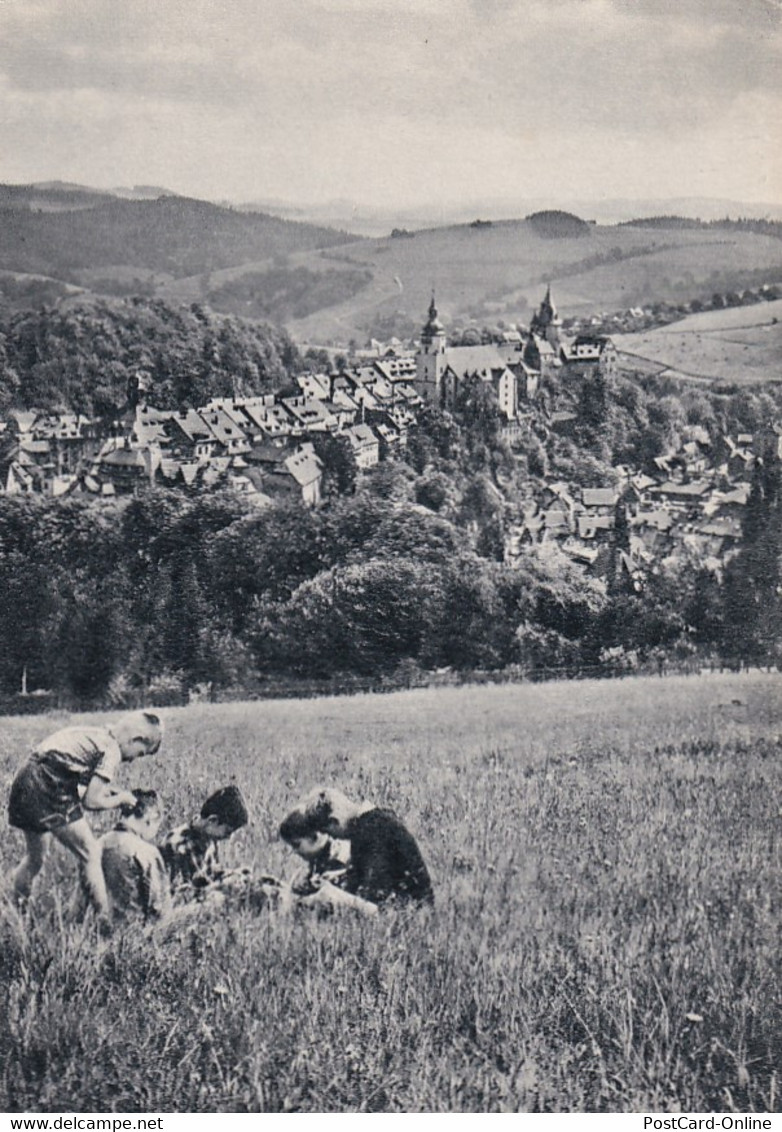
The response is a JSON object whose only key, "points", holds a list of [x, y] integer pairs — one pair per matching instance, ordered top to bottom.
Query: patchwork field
{"points": [[501, 271], [741, 344], [606, 857]]}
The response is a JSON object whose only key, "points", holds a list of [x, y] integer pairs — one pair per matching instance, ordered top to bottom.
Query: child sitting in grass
{"points": [[191, 858], [327, 858], [385, 865], [136, 879]]}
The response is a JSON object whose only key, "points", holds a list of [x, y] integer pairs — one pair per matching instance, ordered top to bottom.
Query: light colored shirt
{"points": [[83, 751], [136, 878]]}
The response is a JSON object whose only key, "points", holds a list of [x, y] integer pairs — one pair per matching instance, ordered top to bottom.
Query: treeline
{"points": [[664, 221], [554, 224], [762, 227], [28, 292], [80, 357], [104, 600]]}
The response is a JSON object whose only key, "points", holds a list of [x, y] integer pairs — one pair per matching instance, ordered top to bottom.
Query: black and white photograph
{"points": [[391, 558]]}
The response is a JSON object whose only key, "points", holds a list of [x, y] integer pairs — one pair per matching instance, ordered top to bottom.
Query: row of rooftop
{"points": [[372, 405], [259, 445], [692, 506]]}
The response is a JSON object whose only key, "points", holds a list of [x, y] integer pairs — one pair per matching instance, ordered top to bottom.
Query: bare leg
{"points": [[79, 838], [23, 876]]}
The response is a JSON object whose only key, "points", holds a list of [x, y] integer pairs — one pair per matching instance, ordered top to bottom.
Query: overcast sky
{"points": [[396, 102]]}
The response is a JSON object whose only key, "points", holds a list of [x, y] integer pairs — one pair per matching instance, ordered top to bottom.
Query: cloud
{"points": [[325, 88]]}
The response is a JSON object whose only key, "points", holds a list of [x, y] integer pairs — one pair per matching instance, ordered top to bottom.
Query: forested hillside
{"points": [[174, 235], [284, 293], [80, 355], [105, 602]]}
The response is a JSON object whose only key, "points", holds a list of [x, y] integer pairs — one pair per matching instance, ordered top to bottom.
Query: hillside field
{"points": [[502, 271], [737, 344], [606, 859]]}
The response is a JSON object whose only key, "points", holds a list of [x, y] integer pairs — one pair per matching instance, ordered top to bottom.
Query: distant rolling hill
{"points": [[50, 196], [357, 216], [71, 233], [328, 287], [741, 345]]}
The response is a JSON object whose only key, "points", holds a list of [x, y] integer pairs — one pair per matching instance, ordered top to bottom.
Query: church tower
{"points": [[546, 323], [430, 359]]}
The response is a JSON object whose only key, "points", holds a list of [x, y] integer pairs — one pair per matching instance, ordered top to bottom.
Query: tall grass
{"points": [[606, 936]]}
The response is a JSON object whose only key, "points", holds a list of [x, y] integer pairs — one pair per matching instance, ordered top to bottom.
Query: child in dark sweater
{"points": [[385, 866]]}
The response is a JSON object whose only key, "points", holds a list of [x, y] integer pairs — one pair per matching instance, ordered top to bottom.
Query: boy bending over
{"points": [[46, 800]]}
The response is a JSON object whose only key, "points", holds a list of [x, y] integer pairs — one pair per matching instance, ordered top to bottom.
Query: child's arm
{"points": [[101, 795], [329, 894]]}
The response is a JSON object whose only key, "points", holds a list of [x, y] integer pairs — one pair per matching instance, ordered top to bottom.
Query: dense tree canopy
{"points": [[81, 355]]}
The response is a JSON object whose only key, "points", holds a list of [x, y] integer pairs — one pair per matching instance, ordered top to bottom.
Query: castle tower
{"points": [[546, 323], [430, 359], [139, 385]]}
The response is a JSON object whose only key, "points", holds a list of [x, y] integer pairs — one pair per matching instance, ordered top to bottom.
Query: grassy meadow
{"points": [[506, 266], [737, 344], [606, 859]]}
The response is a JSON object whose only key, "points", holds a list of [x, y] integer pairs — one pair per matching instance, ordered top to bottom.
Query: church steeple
{"points": [[546, 322], [433, 328], [430, 359]]}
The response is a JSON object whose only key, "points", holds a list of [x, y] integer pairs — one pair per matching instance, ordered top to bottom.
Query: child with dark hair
{"points": [[190, 850], [191, 856], [327, 857], [385, 866], [136, 878]]}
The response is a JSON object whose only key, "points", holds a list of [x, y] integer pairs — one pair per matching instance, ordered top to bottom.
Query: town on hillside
{"points": [[690, 502]]}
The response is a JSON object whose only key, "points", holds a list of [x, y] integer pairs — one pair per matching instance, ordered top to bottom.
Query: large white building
{"points": [[441, 368]]}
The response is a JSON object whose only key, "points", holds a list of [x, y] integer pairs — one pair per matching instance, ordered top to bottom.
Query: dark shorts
{"points": [[43, 798]]}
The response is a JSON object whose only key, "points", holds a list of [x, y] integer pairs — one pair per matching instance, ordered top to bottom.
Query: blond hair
{"points": [[144, 725]]}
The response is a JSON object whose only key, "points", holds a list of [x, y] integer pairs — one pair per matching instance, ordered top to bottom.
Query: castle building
{"points": [[441, 368], [516, 370]]}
